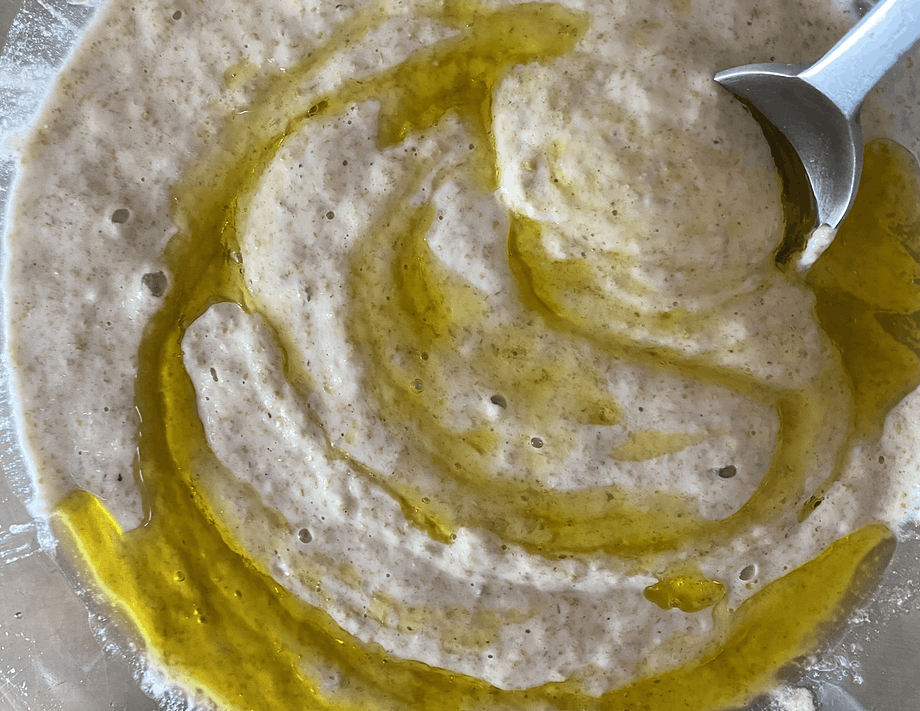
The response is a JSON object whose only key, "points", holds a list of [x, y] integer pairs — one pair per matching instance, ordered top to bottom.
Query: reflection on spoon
{"points": [[810, 114]]}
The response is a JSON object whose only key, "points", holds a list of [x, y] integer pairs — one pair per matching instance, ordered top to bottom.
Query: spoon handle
{"points": [[853, 66]]}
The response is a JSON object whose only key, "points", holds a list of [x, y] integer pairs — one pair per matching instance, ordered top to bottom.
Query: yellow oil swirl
{"points": [[228, 630]]}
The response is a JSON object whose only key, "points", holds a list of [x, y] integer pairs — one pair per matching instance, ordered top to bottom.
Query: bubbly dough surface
{"points": [[619, 162]]}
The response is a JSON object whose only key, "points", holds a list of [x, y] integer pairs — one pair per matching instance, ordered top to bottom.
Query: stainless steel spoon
{"points": [[810, 114]]}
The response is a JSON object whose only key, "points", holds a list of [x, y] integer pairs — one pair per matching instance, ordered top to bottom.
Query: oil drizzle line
{"points": [[551, 523], [235, 634]]}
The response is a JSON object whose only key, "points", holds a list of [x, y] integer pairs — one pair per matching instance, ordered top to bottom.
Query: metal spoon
{"points": [[810, 115]]}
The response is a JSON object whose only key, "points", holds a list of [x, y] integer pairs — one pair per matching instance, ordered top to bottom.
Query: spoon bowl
{"points": [[810, 116]]}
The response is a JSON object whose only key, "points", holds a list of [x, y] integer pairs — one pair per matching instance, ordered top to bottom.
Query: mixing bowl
{"points": [[58, 650]]}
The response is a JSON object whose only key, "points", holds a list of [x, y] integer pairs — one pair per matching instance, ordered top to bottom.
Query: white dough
{"points": [[623, 151]]}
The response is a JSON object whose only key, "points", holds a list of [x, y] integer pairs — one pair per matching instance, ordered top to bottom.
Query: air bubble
{"points": [[177, 15], [121, 216], [155, 283], [214, 374], [417, 385], [498, 400], [536, 442], [728, 472], [304, 535], [748, 572]]}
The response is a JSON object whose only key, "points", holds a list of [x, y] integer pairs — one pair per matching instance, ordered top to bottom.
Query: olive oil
{"points": [[690, 592]]}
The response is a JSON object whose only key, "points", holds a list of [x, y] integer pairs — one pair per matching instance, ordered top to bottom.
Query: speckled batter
{"points": [[580, 302]]}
